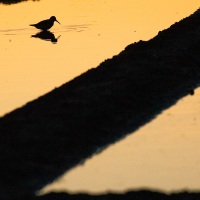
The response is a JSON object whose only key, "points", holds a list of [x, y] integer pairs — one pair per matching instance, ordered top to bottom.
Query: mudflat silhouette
{"points": [[13, 1], [59, 130], [138, 195]]}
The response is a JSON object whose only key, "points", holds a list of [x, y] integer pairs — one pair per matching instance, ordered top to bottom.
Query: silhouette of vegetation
{"points": [[13, 1], [54, 133], [140, 195]]}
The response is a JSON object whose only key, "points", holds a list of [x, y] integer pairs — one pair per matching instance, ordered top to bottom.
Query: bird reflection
{"points": [[47, 36]]}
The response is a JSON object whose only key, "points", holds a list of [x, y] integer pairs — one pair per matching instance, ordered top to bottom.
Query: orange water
{"points": [[90, 32]]}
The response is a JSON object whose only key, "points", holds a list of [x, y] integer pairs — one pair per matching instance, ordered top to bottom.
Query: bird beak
{"points": [[58, 21]]}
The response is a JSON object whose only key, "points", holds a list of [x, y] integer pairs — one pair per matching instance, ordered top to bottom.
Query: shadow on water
{"points": [[8, 2], [47, 36], [59, 130]]}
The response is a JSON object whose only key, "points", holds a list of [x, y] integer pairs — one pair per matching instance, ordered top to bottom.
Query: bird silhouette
{"points": [[45, 24], [47, 36]]}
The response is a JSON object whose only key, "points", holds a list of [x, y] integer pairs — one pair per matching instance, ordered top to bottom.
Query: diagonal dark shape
{"points": [[57, 131]]}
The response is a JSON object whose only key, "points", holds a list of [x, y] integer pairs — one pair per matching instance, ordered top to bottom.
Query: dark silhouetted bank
{"points": [[13, 1]]}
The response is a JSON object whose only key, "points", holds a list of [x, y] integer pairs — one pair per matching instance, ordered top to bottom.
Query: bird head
{"points": [[53, 18]]}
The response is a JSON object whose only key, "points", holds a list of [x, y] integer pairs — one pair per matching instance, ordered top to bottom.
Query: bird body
{"points": [[45, 24]]}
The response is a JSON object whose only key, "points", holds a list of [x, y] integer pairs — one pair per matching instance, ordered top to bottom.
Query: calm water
{"points": [[90, 32], [163, 154]]}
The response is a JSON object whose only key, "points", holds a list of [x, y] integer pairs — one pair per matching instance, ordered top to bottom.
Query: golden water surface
{"points": [[90, 32], [163, 154]]}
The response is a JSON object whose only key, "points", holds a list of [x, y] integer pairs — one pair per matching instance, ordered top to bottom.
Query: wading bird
{"points": [[45, 24]]}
